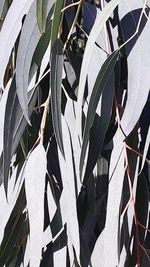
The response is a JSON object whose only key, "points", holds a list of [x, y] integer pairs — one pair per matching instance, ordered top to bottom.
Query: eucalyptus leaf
{"points": [[41, 11], [56, 21], [98, 25], [10, 31], [28, 38], [138, 52], [56, 80], [104, 81], [34, 174]]}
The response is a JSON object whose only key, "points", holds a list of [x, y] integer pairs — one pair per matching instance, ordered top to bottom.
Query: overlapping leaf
{"points": [[41, 11], [56, 21], [98, 25], [10, 30], [30, 36], [138, 52], [56, 80], [104, 81], [35, 172], [116, 178], [68, 208]]}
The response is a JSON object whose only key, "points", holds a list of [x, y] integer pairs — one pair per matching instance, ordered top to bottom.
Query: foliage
{"points": [[74, 133]]}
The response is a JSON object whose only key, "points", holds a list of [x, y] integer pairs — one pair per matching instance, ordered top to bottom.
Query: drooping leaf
{"points": [[1, 6], [41, 11], [56, 21], [98, 25], [10, 30], [30, 36], [138, 52], [56, 79], [104, 80], [9, 123], [14, 126], [35, 172], [116, 178], [8, 204], [68, 208], [13, 226], [5, 254]]}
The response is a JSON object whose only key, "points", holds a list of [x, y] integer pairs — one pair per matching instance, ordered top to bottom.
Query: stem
{"points": [[74, 23], [43, 121]]}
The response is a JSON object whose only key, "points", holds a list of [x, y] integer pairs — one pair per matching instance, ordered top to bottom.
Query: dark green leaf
{"points": [[41, 12], [56, 21], [10, 31], [30, 36], [56, 79], [104, 81], [9, 124], [14, 126]]}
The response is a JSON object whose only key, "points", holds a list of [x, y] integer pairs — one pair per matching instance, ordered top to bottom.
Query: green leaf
{"points": [[2, 2], [41, 12], [56, 21], [99, 24], [10, 31], [30, 36], [55, 81], [104, 81], [9, 123], [14, 126], [35, 172], [7, 205], [13, 226], [11, 243]]}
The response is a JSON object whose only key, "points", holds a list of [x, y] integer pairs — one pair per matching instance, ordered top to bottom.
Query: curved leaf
{"points": [[2, 2], [41, 12], [56, 21], [98, 25], [10, 31], [30, 36], [138, 53], [55, 81], [104, 81], [9, 123], [14, 126], [34, 174], [116, 178], [68, 208]]}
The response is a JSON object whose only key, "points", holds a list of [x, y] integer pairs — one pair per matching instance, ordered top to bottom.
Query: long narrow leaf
{"points": [[41, 11], [56, 21], [98, 25], [10, 30], [30, 36], [138, 53], [56, 79], [104, 81], [35, 172], [68, 208]]}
